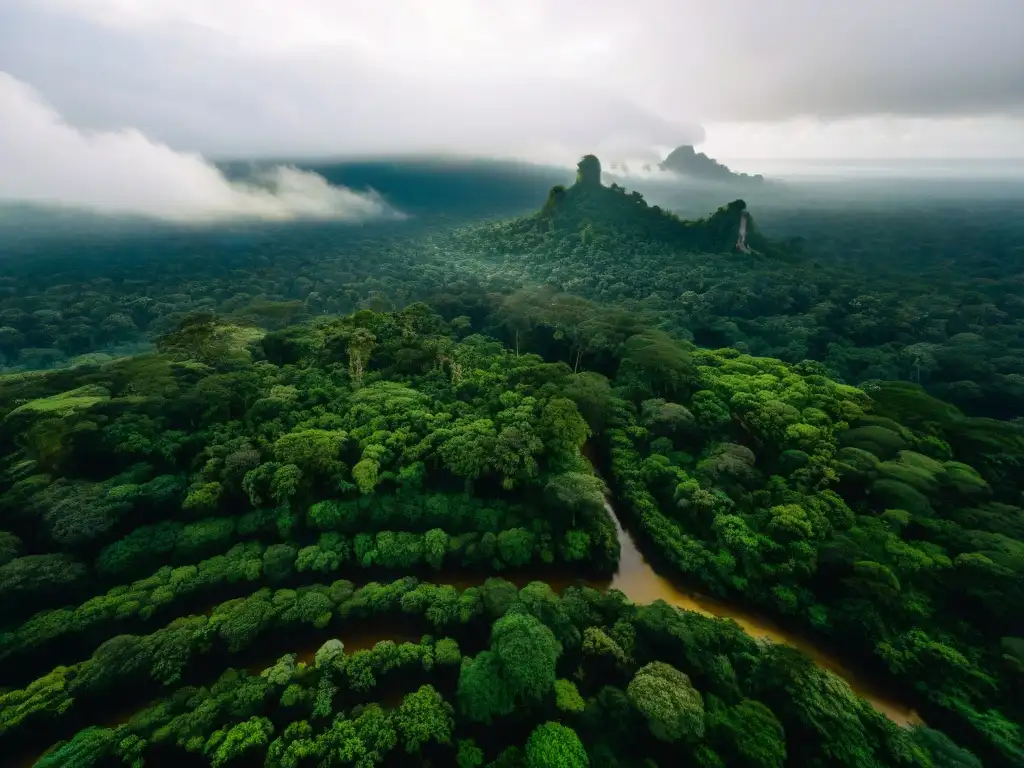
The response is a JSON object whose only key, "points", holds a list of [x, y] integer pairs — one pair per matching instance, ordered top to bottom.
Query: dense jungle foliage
{"points": [[919, 290], [297, 495]]}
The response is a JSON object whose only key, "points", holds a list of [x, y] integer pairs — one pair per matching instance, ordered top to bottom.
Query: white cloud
{"points": [[45, 160]]}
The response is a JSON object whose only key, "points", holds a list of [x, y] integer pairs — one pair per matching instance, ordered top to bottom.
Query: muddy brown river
{"points": [[638, 580], [641, 584]]}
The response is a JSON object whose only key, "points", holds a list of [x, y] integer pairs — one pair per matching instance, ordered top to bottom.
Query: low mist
{"points": [[44, 160], [816, 184]]}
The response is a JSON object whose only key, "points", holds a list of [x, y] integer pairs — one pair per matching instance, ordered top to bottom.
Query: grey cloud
{"points": [[771, 61], [620, 77], [187, 88]]}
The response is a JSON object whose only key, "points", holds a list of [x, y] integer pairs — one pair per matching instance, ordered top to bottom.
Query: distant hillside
{"points": [[686, 161], [423, 186], [590, 209]]}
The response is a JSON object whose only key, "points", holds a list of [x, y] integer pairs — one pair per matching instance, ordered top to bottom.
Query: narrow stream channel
{"points": [[635, 578], [638, 580], [641, 584]]}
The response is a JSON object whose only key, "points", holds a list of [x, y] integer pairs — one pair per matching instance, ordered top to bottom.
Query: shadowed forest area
{"points": [[314, 493]]}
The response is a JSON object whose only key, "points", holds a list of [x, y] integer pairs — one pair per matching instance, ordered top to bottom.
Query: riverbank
{"points": [[638, 580], [642, 584]]}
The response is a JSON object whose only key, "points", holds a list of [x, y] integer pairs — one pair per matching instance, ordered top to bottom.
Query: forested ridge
{"points": [[912, 290], [326, 433]]}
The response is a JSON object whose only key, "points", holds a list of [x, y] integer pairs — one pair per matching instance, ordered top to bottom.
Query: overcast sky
{"points": [[786, 77], [542, 79]]}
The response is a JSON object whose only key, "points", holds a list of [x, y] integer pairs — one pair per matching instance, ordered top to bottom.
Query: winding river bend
{"points": [[638, 580], [642, 584]]}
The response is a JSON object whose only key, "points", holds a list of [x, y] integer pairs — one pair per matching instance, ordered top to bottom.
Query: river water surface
{"points": [[638, 580], [642, 584]]}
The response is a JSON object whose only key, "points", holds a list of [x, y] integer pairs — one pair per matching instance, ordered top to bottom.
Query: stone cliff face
{"points": [[741, 238]]}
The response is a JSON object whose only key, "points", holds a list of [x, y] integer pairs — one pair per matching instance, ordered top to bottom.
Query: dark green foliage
{"points": [[273, 442], [10, 546], [139, 550], [889, 560], [278, 562], [32, 578], [526, 652], [518, 668], [567, 697], [672, 707], [251, 716], [424, 717], [747, 733], [553, 745], [89, 747], [943, 752], [469, 755]]}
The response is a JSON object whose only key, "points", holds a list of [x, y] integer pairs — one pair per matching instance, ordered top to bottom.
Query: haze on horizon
{"points": [[114, 104]]}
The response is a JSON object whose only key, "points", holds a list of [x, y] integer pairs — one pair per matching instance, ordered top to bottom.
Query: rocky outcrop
{"points": [[686, 161], [588, 171], [588, 209], [741, 238]]}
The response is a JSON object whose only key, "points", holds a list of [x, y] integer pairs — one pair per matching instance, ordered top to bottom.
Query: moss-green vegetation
{"points": [[183, 530], [872, 546], [701, 688]]}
